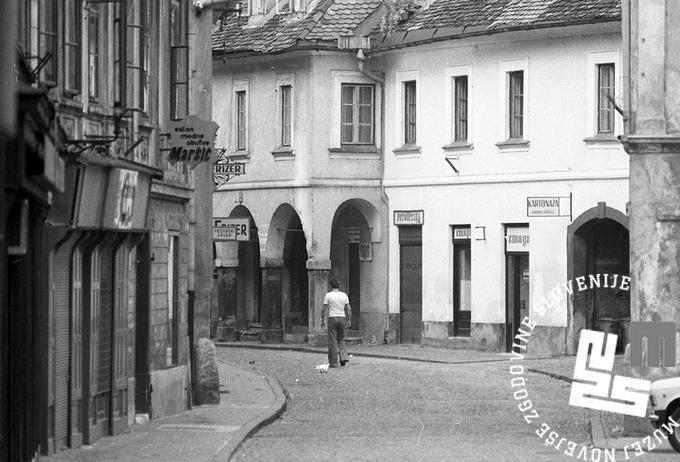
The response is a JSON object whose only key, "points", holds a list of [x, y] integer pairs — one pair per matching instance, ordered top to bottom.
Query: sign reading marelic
{"points": [[191, 140], [231, 229]]}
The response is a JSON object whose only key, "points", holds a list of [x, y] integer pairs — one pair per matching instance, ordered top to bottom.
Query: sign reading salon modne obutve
{"points": [[192, 140]]}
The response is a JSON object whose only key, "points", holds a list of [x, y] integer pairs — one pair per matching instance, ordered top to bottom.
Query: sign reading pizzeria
{"points": [[191, 140], [409, 217]]}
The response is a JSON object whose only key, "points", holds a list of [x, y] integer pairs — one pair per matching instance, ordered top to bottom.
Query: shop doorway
{"points": [[600, 247], [410, 283], [517, 294], [296, 305]]}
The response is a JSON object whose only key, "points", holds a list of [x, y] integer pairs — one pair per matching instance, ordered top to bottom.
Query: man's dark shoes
{"points": [[342, 363], [334, 365]]}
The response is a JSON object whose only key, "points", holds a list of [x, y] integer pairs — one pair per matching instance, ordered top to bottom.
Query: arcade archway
{"points": [[599, 245]]}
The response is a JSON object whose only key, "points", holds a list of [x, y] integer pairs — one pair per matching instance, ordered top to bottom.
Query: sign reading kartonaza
{"points": [[192, 140], [549, 206]]}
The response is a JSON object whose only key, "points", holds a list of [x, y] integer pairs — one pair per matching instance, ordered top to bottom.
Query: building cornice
{"points": [[531, 177]]}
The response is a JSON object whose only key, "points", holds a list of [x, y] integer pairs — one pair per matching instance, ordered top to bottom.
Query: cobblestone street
{"points": [[383, 409]]}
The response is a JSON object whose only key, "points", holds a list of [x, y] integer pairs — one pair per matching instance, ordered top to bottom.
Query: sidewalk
{"points": [[206, 433]]}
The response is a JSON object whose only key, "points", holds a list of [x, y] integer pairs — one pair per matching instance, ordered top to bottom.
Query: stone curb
{"points": [[364, 355], [275, 410]]}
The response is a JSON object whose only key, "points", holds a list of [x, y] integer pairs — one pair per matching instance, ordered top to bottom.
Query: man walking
{"points": [[336, 306]]}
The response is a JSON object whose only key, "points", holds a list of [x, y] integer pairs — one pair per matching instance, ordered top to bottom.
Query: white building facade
{"points": [[480, 161]]}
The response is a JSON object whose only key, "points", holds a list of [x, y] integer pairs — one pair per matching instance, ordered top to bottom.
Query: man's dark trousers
{"points": [[336, 340]]}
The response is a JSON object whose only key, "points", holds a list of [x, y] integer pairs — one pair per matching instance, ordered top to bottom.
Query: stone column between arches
{"points": [[318, 272]]}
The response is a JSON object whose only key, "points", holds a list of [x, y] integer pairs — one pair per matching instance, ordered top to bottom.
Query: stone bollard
{"points": [[206, 378]]}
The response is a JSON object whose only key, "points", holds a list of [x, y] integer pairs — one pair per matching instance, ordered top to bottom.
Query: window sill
{"points": [[602, 138], [513, 144], [459, 147], [407, 149], [354, 151], [283, 153], [241, 154]]}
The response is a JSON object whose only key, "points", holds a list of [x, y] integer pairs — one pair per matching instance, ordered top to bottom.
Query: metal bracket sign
{"points": [[191, 140], [225, 169], [549, 206], [231, 229]]}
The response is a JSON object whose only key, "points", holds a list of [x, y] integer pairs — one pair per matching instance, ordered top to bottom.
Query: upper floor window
{"points": [[72, 36], [47, 40], [94, 50], [179, 60], [605, 96], [516, 104], [410, 112], [358, 113], [286, 114], [241, 120], [460, 122]]}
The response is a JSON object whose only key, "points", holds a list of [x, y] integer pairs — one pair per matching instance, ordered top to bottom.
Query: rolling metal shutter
{"points": [[411, 283], [62, 327]]}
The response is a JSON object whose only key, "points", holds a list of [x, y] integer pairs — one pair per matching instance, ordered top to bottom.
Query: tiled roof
{"points": [[500, 14], [342, 17], [329, 20]]}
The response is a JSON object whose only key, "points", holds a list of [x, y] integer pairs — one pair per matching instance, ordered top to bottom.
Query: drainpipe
{"points": [[379, 78]]}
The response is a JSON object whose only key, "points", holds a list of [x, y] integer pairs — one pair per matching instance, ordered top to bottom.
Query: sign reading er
{"points": [[409, 217], [231, 229]]}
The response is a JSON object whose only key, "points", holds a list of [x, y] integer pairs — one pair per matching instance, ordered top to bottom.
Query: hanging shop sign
{"points": [[191, 140], [225, 169], [549, 206], [409, 217], [231, 229], [517, 239], [365, 251]]}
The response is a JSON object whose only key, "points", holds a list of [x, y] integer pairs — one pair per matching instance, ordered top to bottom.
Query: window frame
{"points": [[53, 33], [72, 47], [179, 48], [94, 77], [516, 101], [286, 105], [356, 107], [609, 107], [410, 113], [593, 137], [510, 143], [237, 148], [404, 148], [339, 150]]}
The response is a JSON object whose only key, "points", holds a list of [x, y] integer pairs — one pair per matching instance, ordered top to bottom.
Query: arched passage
{"points": [[355, 225], [598, 243], [238, 285], [284, 306]]}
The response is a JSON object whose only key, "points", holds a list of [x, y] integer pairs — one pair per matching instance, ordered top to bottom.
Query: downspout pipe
{"points": [[379, 78]]}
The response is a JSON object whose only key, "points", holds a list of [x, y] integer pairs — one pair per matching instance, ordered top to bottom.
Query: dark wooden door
{"points": [[355, 285], [517, 294], [119, 383]]}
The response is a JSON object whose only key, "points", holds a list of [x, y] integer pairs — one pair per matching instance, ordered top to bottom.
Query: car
{"points": [[664, 397]]}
